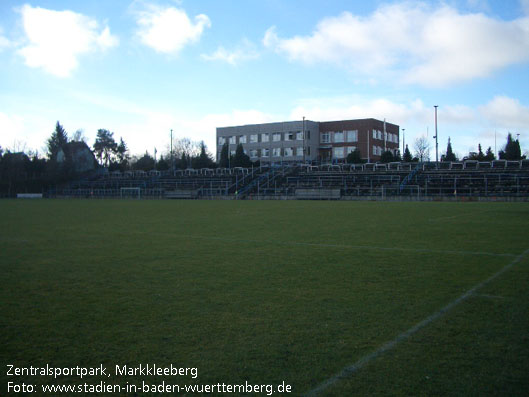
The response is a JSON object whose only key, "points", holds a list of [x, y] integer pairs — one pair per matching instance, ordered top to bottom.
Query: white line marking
{"points": [[442, 218], [366, 247], [489, 296], [347, 371]]}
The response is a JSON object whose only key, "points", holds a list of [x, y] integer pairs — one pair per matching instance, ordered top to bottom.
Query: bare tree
{"points": [[78, 136], [422, 148]]}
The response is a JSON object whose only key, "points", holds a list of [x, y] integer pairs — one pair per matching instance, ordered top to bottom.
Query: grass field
{"points": [[271, 291]]}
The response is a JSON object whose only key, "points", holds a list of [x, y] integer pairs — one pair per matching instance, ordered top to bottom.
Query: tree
{"points": [[78, 136], [58, 139], [105, 147], [422, 148], [512, 150], [122, 153], [407, 155], [489, 155], [449, 156], [355, 157], [387, 157], [241, 159], [203, 160], [224, 160], [145, 163], [162, 164]]}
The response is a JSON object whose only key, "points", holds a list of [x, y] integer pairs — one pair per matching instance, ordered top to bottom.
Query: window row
{"points": [[339, 136], [388, 136], [256, 138], [378, 150], [276, 152], [342, 152]]}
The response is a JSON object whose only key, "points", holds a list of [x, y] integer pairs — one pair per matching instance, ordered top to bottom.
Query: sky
{"points": [[142, 68]]}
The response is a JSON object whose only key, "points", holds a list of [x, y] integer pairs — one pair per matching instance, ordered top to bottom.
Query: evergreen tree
{"points": [[58, 139], [512, 149], [122, 151], [407, 155], [449, 156], [481, 156], [489, 156], [355, 157], [387, 157], [241, 159], [203, 160], [224, 160], [145, 163], [162, 164]]}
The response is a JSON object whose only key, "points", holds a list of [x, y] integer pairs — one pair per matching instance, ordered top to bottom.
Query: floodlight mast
{"points": [[304, 140], [403, 140], [436, 140], [172, 158]]}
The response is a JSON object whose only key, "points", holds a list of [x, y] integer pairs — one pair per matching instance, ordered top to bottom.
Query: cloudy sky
{"points": [[141, 68]]}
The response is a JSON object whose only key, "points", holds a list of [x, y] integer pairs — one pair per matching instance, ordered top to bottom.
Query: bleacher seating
{"points": [[499, 178]]}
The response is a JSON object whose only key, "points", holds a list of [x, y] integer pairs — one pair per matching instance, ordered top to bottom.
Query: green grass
{"points": [[267, 292]]}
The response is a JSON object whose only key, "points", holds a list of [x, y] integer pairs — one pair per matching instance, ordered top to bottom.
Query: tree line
{"points": [[30, 172]]}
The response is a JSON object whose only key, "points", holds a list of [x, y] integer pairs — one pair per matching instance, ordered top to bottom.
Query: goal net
{"points": [[130, 192]]}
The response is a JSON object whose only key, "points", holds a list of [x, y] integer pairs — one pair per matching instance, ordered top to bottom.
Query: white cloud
{"points": [[525, 6], [169, 29], [56, 39], [4, 41], [413, 41], [245, 51], [505, 112]]}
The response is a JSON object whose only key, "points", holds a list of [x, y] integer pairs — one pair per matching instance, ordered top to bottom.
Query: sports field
{"points": [[332, 298]]}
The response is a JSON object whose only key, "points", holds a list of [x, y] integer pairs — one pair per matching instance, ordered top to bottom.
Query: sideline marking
{"points": [[442, 218], [368, 247], [347, 371]]}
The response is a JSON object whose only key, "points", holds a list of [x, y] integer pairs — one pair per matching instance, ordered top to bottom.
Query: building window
{"points": [[374, 134], [379, 134], [299, 135], [276, 136], [289, 136], [352, 136], [264, 137], [325, 137], [338, 137], [253, 138], [242, 139], [222, 140], [233, 140], [350, 149], [374, 150], [299, 151], [233, 152], [265, 152], [276, 152], [288, 152], [337, 152], [253, 153]]}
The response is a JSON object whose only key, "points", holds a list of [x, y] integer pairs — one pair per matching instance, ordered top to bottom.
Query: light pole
{"points": [[304, 140], [403, 140], [436, 140], [172, 156]]}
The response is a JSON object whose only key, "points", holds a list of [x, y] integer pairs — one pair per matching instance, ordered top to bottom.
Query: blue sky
{"points": [[141, 68]]}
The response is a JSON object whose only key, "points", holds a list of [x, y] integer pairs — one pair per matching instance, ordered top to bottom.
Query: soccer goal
{"points": [[130, 192]]}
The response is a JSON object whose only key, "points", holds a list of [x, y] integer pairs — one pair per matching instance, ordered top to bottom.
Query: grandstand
{"points": [[498, 179]]}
